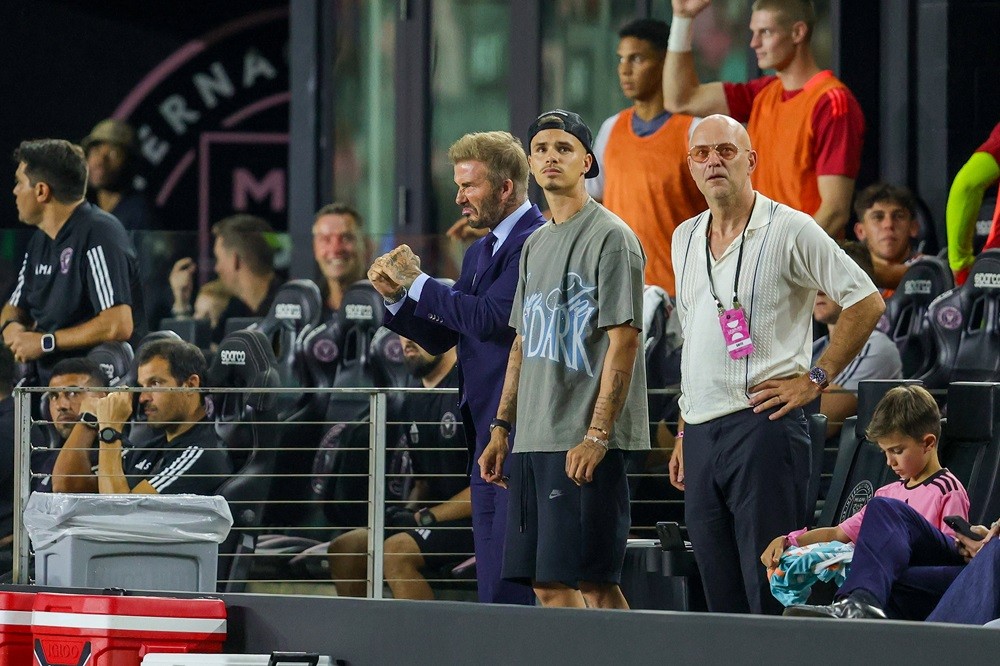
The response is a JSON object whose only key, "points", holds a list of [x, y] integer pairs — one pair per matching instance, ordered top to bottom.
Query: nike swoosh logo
{"points": [[556, 493]]}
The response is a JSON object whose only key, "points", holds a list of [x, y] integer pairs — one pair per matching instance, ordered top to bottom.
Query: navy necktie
{"points": [[485, 257]]}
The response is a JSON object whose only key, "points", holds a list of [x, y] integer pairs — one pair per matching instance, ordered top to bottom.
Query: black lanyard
{"points": [[739, 261]]}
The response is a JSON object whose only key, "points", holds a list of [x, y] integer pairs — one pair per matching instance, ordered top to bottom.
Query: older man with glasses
{"points": [[747, 273]]}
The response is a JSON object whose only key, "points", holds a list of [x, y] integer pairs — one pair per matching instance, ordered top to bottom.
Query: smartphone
{"points": [[962, 526], [670, 536]]}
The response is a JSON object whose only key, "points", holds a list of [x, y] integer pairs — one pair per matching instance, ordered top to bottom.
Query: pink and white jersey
{"points": [[938, 496]]}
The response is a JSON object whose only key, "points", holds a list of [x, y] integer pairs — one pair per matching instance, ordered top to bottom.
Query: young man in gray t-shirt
{"points": [[576, 381]]}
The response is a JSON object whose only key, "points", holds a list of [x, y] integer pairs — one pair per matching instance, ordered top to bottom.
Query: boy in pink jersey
{"points": [[906, 426]]}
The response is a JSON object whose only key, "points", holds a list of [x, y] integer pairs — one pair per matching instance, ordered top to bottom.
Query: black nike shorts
{"points": [[558, 532]]}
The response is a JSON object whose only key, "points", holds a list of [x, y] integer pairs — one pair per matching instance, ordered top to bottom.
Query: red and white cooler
{"points": [[15, 627], [92, 630]]}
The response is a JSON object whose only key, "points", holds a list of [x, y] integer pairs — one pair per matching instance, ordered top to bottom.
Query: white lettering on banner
{"points": [[986, 281], [917, 287], [288, 311], [356, 311], [556, 326], [233, 357]]}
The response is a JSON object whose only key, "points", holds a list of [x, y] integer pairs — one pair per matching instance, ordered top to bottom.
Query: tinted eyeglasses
{"points": [[726, 151]]}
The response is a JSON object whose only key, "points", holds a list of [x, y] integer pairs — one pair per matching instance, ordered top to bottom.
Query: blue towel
{"points": [[801, 566]]}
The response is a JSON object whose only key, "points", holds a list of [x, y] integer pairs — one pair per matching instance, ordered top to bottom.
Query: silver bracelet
{"points": [[596, 440]]}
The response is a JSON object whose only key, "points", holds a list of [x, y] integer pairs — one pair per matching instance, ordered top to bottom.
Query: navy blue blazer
{"points": [[475, 317]]}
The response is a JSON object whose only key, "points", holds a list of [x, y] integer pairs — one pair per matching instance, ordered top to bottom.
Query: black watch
{"points": [[89, 420], [500, 423], [109, 435], [425, 518]]}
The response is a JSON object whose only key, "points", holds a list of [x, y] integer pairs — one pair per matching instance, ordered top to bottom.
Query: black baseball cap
{"points": [[566, 121]]}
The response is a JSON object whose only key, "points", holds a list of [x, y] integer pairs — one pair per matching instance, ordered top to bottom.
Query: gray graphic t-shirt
{"points": [[576, 279]]}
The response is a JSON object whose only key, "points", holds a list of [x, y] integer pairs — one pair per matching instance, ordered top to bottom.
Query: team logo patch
{"points": [[64, 259], [949, 317], [883, 324], [393, 349], [325, 350], [449, 424], [323, 463], [856, 500]]}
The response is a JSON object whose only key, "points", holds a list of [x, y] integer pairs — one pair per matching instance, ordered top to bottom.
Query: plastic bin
{"points": [[138, 542], [654, 579], [15, 627], [94, 630], [232, 660]]}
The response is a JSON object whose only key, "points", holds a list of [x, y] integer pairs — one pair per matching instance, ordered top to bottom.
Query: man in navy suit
{"points": [[491, 172]]}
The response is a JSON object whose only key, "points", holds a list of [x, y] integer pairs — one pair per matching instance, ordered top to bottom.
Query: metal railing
{"points": [[378, 422]]}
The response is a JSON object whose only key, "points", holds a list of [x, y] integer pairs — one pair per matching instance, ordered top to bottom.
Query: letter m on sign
{"points": [[271, 187]]}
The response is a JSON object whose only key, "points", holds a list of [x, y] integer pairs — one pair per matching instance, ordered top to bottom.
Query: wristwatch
{"points": [[397, 297], [48, 343], [818, 376], [89, 420], [500, 423], [109, 435], [425, 518]]}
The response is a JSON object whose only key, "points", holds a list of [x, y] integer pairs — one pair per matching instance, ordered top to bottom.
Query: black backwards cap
{"points": [[566, 121]]}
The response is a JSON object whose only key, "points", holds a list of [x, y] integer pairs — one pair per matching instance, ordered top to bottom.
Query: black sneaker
{"points": [[847, 608]]}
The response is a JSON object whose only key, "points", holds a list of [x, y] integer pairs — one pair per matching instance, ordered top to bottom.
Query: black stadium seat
{"points": [[294, 311], [905, 318], [965, 323], [196, 331], [386, 353], [361, 355], [115, 360], [244, 421], [817, 439], [970, 445], [860, 469]]}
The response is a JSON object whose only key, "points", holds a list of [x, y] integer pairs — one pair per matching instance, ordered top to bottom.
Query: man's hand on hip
{"points": [[783, 394]]}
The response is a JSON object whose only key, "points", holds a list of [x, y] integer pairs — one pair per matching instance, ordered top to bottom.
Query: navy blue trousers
{"points": [[745, 482], [489, 524], [902, 560], [974, 597]]}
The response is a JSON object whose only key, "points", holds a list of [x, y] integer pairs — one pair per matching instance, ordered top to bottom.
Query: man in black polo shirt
{"points": [[79, 283], [191, 458], [428, 515]]}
